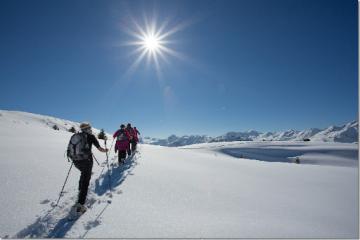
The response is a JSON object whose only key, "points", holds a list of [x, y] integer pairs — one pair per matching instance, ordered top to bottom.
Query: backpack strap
{"points": [[86, 144]]}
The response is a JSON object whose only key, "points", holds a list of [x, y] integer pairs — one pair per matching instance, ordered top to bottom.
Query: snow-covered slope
{"points": [[19, 119], [24, 120], [309, 133], [347, 133], [237, 136], [175, 141], [314, 153], [218, 190]]}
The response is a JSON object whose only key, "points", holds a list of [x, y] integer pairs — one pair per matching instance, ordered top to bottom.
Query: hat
{"points": [[129, 124], [85, 125], [122, 126]]}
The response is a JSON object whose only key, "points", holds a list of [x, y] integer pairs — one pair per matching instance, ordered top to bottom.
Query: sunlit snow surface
{"points": [[219, 190]]}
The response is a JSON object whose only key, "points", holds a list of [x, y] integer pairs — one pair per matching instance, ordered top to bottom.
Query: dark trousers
{"points": [[133, 145], [129, 149], [121, 156], [85, 167]]}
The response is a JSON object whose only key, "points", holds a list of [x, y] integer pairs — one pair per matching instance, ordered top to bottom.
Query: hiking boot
{"points": [[79, 208]]}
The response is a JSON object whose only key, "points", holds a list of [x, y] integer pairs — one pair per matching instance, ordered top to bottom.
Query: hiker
{"points": [[131, 132], [136, 139], [122, 142], [79, 150]]}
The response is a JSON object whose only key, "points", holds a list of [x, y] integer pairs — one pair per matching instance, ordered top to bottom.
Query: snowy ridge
{"points": [[18, 119], [36, 120], [309, 133], [347, 133], [237, 136]]}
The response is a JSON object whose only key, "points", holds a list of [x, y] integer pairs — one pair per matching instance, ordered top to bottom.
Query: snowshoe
{"points": [[122, 161], [76, 211]]}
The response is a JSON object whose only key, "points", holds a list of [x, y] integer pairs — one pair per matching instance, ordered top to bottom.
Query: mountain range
{"points": [[347, 133]]}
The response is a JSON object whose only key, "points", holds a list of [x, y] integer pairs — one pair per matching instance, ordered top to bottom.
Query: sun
{"points": [[152, 43]]}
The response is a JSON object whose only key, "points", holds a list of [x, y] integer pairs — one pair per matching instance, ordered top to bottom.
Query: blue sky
{"points": [[245, 64]]}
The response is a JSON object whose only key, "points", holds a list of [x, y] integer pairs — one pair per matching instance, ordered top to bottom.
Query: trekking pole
{"points": [[111, 144], [96, 160], [107, 162], [61, 192]]}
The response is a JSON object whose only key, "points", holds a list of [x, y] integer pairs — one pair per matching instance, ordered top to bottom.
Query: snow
{"points": [[347, 133], [316, 153], [210, 190]]}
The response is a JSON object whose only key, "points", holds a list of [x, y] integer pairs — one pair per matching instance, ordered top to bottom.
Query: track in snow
{"points": [[55, 222]]}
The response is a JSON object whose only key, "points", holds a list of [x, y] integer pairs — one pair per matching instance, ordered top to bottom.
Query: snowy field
{"points": [[212, 190]]}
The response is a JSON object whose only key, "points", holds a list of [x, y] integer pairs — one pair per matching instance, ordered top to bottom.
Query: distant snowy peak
{"points": [[307, 133], [347, 133], [287, 135], [237, 136], [148, 140], [187, 140], [175, 141]]}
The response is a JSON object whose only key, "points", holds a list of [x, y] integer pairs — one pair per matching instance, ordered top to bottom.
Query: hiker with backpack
{"points": [[131, 132], [136, 139], [122, 142], [79, 151]]}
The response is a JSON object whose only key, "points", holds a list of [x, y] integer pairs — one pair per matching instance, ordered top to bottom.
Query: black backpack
{"points": [[78, 147]]}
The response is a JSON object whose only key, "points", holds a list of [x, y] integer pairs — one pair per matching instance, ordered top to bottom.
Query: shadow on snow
{"points": [[287, 155], [117, 176], [50, 226]]}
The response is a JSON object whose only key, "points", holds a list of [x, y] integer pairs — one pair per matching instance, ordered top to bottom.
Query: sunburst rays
{"points": [[152, 43]]}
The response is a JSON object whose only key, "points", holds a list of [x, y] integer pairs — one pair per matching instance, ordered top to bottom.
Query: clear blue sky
{"points": [[250, 64]]}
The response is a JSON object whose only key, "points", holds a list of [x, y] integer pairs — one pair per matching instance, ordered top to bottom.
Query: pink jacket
{"points": [[122, 141]]}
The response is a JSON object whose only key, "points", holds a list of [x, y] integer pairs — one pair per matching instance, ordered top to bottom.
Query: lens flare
{"points": [[152, 42]]}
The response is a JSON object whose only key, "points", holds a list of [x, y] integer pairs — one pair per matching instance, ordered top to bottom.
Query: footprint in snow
{"points": [[45, 201], [91, 201], [92, 224]]}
